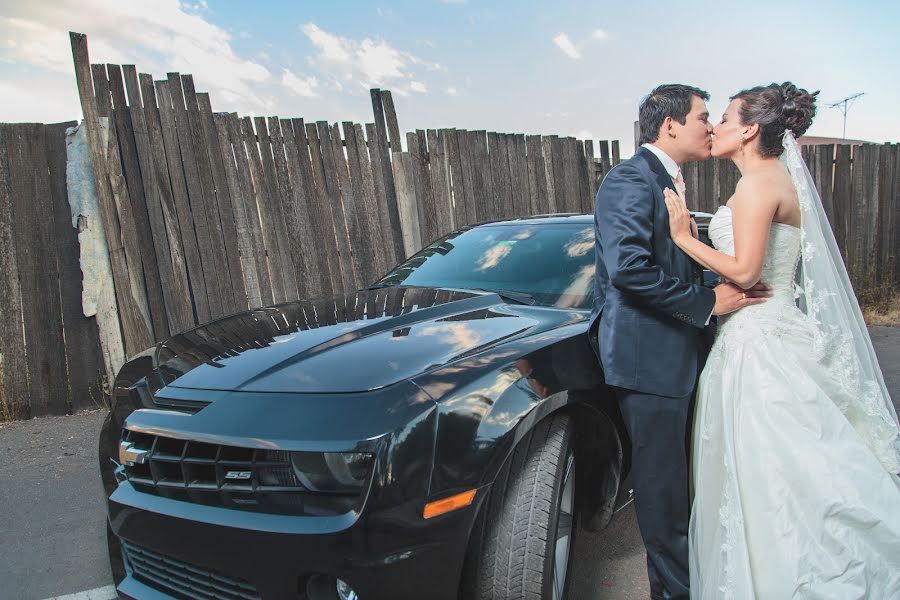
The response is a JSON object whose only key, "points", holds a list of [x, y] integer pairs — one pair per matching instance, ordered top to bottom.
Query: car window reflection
{"points": [[551, 262]]}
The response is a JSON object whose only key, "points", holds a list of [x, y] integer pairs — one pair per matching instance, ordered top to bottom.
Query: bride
{"points": [[795, 445]]}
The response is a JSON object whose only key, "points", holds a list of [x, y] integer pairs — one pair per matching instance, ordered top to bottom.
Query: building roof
{"points": [[814, 140]]}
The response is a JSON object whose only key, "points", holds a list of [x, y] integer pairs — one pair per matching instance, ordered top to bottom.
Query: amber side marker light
{"points": [[439, 507]]}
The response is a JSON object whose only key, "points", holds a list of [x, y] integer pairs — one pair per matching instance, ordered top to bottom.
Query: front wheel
{"points": [[522, 542]]}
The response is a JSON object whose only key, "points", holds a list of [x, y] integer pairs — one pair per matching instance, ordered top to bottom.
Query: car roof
{"points": [[567, 218], [571, 218]]}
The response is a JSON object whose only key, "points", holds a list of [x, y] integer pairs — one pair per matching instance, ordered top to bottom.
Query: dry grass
{"points": [[881, 307], [883, 318]]}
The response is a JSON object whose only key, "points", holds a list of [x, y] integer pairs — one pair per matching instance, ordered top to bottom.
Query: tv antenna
{"points": [[844, 105]]}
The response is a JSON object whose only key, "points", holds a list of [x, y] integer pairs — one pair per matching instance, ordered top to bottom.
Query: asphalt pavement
{"points": [[52, 520]]}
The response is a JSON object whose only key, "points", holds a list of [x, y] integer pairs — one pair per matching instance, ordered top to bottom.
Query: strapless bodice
{"points": [[782, 251]]}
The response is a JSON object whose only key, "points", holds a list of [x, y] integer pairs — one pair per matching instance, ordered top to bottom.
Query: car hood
{"points": [[352, 343]]}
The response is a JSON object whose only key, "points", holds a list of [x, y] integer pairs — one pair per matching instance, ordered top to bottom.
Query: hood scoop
{"points": [[352, 343]]}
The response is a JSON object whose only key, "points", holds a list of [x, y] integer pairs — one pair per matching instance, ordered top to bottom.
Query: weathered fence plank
{"points": [[242, 150], [172, 154], [383, 159], [467, 161], [439, 162], [330, 164], [518, 169], [404, 172], [155, 180], [537, 180], [484, 181], [261, 191], [458, 192], [842, 194], [138, 204], [225, 205], [210, 206], [500, 206], [345, 209], [198, 213], [273, 215], [886, 216], [325, 226], [241, 237], [380, 249], [371, 260], [317, 262], [37, 266], [137, 334], [84, 364], [14, 398]]}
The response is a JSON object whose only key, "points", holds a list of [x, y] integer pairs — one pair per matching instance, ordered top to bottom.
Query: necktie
{"points": [[680, 187]]}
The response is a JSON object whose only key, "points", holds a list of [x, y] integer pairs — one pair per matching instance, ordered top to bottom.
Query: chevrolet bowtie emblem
{"points": [[130, 456]]}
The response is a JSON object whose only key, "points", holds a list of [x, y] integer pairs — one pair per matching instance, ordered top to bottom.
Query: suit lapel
{"points": [[662, 176], [664, 180]]}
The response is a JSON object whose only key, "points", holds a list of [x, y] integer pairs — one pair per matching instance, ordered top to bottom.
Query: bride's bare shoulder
{"points": [[757, 187]]}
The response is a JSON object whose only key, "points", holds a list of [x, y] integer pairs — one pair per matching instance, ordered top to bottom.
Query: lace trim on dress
{"points": [[865, 400]]}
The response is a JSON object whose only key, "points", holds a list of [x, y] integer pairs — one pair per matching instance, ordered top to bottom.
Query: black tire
{"points": [[513, 545]]}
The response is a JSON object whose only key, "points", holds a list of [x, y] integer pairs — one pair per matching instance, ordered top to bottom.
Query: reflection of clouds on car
{"points": [[581, 243], [492, 256], [580, 287], [459, 335]]}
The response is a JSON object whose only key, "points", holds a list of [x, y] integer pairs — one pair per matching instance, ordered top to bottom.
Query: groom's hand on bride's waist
{"points": [[730, 297]]}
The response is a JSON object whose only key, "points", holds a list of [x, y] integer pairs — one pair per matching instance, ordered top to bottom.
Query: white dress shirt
{"points": [[670, 165]]}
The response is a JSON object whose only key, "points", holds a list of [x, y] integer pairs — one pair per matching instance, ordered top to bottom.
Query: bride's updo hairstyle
{"points": [[777, 108]]}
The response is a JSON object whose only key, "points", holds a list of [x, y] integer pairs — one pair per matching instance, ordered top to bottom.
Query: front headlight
{"points": [[332, 472]]}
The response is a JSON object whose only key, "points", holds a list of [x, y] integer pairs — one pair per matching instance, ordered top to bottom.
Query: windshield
{"points": [[552, 263]]}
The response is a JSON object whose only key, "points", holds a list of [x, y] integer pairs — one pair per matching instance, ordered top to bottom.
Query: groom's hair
{"points": [[669, 100]]}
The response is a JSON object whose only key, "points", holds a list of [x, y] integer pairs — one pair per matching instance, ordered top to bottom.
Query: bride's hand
{"points": [[679, 217]]}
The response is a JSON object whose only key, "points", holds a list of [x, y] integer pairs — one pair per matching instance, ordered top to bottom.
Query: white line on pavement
{"points": [[101, 593]]}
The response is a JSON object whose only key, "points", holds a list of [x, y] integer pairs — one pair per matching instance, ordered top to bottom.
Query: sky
{"points": [[568, 68]]}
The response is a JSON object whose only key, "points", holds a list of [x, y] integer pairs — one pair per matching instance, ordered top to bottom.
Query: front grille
{"points": [[250, 479], [183, 580]]}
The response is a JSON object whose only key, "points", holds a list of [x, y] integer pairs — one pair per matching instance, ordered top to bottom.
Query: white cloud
{"points": [[453, 1], [599, 34], [158, 37], [565, 44], [330, 47], [379, 62], [366, 63], [302, 86], [41, 102]]}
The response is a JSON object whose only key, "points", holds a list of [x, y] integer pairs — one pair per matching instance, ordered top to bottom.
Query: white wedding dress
{"points": [[793, 496]]}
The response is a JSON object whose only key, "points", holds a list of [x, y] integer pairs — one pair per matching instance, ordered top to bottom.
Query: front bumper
{"points": [[383, 553]]}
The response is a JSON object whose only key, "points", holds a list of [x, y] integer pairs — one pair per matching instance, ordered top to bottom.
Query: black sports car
{"points": [[441, 434]]}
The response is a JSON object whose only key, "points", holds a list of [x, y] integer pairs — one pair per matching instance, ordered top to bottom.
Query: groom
{"points": [[652, 311]]}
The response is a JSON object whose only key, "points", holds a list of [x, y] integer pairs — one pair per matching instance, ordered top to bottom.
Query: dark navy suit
{"points": [[650, 311]]}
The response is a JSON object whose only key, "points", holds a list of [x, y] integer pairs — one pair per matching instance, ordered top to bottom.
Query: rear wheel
{"points": [[522, 543]]}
